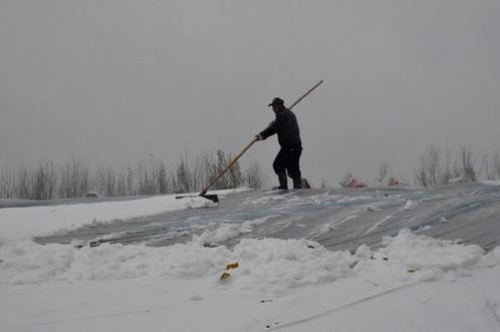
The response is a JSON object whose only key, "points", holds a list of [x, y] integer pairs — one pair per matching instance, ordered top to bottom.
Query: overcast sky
{"points": [[112, 82]]}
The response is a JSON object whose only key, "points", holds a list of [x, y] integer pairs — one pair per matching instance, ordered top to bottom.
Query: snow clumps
{"points": [[265, 265]]}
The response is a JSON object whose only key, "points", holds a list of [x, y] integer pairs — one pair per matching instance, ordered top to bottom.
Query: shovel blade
{"points": [[213, 198]]}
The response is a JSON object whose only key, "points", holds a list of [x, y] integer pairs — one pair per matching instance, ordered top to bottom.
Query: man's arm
{"points": [[269, 131]]}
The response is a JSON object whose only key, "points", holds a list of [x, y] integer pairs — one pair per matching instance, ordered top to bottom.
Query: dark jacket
{"points": [[286, 127]]}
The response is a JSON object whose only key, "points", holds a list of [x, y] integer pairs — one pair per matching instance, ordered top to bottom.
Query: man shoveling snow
{"points": [[288, 158]]}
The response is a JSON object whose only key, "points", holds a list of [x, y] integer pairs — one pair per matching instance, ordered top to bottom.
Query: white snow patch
{"points": [[266, 199], [348, 199], [410, 205], [372, 208], [443, 220], [23, 223], [378, 224], [328, 227], [425, 228], [220, 232], [364, 251], [430, 258], [492, 258]]}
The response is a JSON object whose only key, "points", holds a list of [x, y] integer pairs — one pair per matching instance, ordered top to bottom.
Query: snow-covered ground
{"points": [[21, 223], [406, 282]]}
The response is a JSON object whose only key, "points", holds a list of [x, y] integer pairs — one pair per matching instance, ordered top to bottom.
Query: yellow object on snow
{"points": [[232, 266], [224, 275]]}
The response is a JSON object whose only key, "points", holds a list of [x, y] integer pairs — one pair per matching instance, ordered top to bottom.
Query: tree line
{"points": [[440, 165], [436, 166], [75, 178]]}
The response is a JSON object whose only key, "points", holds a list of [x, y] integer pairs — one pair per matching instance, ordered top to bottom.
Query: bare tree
{"points": [[434, 164], [468, 164], [496, 165], [487, 167], [383, 170], [200, 171], [432, 171], [448, 171], [428, 172], [253, 176], [183, 178], [235, 178], [74, 179], [147, 179], [232, 179], [43, 181], [106, 181], [131, 182], [8, 183], [23, 183], [125, 183], [163, 183], [121, 184], [325, 184]]}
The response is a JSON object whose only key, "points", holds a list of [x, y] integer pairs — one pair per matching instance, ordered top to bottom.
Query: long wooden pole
{"points": [[305, 94], [235, 159]]}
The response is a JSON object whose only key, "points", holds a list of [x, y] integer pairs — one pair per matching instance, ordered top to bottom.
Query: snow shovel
{"points": [[215, 198]]}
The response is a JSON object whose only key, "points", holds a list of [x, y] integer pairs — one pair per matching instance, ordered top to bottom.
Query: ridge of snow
{"points": [[267, 265]]}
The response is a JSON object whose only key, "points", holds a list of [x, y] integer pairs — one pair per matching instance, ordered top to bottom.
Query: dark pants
{"points": [[287, 161]]}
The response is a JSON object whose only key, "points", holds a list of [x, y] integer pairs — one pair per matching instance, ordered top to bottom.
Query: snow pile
{"points": [[23, 223], [221, 232], [421, 258], [492, 259], [26, 262], [266, 265], [278, 266]]}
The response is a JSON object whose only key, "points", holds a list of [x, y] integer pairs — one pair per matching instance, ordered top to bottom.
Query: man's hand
{"points": [[258, 137]]}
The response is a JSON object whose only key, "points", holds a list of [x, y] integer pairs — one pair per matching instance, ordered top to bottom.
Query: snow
{"points": [[491, 183], [410, 205], [22, 223], [379, 224], [329, 227], [221, 232], [270, 265], [411, 282]]}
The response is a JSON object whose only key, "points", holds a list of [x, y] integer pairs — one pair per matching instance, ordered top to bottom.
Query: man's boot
{"points": [[283, 182], [297, 182]]}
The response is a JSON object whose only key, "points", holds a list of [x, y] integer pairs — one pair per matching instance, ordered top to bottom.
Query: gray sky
{"points": [[112, 82]]}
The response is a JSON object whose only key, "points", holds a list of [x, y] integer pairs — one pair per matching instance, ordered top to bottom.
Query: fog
{"points": [[114, 82]]}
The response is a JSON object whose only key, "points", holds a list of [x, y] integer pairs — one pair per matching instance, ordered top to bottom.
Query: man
{"points": [[287, 160]]}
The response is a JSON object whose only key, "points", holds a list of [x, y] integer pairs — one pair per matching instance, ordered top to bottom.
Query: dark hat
{"points": [[277, 101]]}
